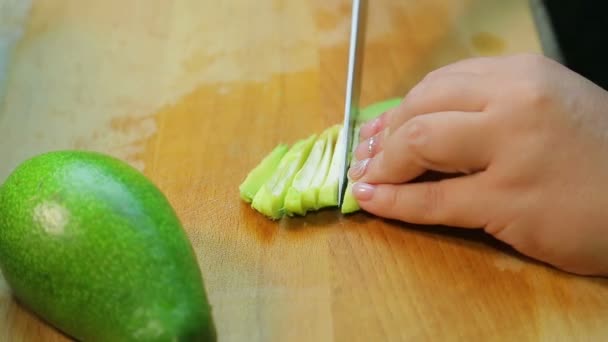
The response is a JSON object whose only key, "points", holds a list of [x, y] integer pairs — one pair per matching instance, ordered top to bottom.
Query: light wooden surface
{"points": [[194, 93]]}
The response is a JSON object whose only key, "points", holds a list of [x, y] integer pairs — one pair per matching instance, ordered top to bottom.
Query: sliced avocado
{"points": [[376, 109], [262, 172], [306, 177], [303, 179], [328, 193], [310, 196], [270, 198], [350, 205]]}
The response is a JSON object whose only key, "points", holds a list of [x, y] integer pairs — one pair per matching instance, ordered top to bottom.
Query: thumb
{"points": [[451, 202]]}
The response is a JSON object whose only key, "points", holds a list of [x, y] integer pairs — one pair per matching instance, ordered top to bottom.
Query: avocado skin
{"points": [[95, 249]]}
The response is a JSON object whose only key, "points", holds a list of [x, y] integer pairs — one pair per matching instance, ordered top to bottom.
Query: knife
{"points": [[351, 102]]}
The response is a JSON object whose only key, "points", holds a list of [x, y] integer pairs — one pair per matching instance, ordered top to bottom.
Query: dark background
{"points": [[581, 29]]}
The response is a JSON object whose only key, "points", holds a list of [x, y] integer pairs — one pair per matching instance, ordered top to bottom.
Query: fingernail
{"points": [[372, 123], [368, 128], [415, 134], [370, 145], [365, 149], [357, 170], [363, 191]]}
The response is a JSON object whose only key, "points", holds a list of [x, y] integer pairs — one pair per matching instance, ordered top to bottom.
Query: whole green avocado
{"points": [[94, 248]]}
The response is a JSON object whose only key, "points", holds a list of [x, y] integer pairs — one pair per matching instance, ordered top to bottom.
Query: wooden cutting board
{"points": [[194, 93]]}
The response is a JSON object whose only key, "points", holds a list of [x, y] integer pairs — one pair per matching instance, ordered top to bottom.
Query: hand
{"points": [[528, 142]]}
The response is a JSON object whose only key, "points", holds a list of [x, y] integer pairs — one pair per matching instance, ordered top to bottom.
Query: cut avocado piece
{"points": [[376, 109], [261, 173], [305, 178], [302, 181], [328, 193], [310, 197], [269, 200], [350, 205]]}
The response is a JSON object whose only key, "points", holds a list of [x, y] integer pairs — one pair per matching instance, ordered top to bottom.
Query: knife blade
{"points": [[351, 100]]}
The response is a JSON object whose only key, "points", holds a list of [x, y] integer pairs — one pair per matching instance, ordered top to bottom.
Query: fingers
{"points": [[476, 65], [441, 90], [466, 92], [374, 126], [451, 142], [370, 147], [381, 169], [448, 202]]}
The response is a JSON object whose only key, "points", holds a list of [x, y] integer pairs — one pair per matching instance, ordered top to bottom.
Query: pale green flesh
{"points": [[376, 109], [261, 173], [306, 177], [303, 179], [328, 193], [311, 194], [269, 200], [350, 205]]}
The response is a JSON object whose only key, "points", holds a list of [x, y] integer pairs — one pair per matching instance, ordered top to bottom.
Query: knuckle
{"points": [[530, 58], [433, 74], [535, 88], [415, 92], [418, 92], [534, 92], [394, 119], [416, 131], [396, 165], [379, 170], [433, 197], [392, 202], [496, 228]]}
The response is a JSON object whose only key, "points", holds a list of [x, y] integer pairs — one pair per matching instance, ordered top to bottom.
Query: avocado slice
{"points": [[376, 109], [262, 172], [305, 178], [328, 193], [310, 197], [270, 198], [294, 199], [350, 205], [94, 248]]}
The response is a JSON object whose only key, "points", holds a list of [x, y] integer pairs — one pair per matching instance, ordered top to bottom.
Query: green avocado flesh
{"points": [[376, 109], [256, 178], [303, 178], [270, 199], [294, 200], [350, 205], [96, 250]]}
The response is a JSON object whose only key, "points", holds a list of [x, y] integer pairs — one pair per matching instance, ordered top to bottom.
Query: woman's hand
{"points": [[529, 139]]}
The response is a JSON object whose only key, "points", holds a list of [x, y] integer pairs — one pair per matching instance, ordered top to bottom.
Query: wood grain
{"points": [[195, 93]]}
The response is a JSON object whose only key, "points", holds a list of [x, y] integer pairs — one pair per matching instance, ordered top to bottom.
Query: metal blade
{"points": [[351, 100]]}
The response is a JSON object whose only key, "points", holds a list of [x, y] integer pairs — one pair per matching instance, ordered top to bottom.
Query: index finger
{"points": [[464, 92], [375, 126]]}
